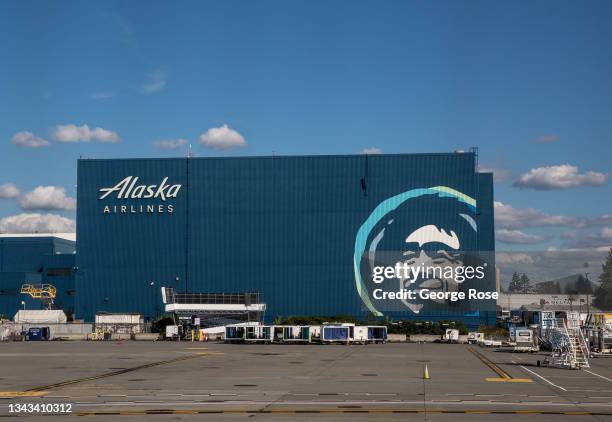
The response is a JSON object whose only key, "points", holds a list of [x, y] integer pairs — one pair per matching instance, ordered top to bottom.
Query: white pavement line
{"points": [[597, 375], [541, 377], [589, 391]]}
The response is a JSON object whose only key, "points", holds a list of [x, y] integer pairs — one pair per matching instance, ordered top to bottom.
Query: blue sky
{"points": [[529, 83]]}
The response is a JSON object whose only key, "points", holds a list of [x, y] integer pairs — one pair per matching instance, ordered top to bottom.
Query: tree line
{"points": [[520, 283]]}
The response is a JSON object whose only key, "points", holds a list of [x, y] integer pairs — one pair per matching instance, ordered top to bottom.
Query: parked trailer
{"points": [[315, 333], [327, 333], [337, 333], [235, 334], [259, 334], [293, 334], [365, 334], [377, 334]]}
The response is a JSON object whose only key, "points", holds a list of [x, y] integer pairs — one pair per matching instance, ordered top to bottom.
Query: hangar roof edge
{"points": [[282, 156]]}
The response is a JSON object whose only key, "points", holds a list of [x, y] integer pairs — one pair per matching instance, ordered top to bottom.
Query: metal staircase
{"points": [[46, 293], [569, 348]]}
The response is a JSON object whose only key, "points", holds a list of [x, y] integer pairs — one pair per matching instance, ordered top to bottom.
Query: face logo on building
{"points": [[130, 188], [426, 232]]}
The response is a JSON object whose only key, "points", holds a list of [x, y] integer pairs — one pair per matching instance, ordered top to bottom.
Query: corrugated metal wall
{"points": [[284, 226], [24, 260]]}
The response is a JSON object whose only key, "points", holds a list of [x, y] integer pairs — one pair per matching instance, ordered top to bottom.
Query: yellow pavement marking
{"points": [[119, 372], [503, 375], [11, 394]]}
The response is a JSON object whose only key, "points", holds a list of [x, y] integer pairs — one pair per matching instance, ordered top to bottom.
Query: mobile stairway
{"points": [[568, 345]]}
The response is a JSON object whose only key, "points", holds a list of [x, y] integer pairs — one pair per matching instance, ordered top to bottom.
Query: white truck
{"points": [[451, 335], [474, 337], [524, 341]]}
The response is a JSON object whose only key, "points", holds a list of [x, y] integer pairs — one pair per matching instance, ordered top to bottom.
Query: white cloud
{"points": [[156, 82], [103, 95], [73, 133], [221, 138], [546, 139], [28, 140], [170, 144], [372, 150], [499, 174], [559, 177], [8, 191], [47, 198], [507, 217], [602, 220], [36, 223], [518, 237], [588, 239], [505, 258], [551, 264]]}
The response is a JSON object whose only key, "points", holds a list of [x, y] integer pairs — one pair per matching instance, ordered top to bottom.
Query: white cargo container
{"points": [[111, 319], [119, 323], [172, 331], [360, 334]]}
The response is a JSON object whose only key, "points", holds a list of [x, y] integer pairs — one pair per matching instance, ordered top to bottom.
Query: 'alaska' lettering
{"points": [[128, 188]]}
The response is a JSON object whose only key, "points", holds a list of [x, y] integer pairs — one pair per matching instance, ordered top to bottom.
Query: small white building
{"points": [[512, 301]]}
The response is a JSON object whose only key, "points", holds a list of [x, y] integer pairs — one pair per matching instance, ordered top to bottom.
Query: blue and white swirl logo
{"points": [[417, 251]]}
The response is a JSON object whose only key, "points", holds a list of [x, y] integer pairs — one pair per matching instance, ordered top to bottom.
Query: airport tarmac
{"points": [[139, 381]]}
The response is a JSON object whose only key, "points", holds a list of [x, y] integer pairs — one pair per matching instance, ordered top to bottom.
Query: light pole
{"points": [[152, 286], [23, 304]]}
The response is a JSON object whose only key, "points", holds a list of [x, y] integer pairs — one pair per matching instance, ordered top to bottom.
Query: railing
{"points": [[212, 298]]}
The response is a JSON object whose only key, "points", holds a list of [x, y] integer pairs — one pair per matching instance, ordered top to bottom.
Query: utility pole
{"points": [[586, 275]]}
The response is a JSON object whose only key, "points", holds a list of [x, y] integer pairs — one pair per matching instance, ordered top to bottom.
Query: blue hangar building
{"points": [[306, 232], [36, 259]]}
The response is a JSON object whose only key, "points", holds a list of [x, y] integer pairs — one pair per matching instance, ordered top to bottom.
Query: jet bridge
{"points": [[213, 309]]}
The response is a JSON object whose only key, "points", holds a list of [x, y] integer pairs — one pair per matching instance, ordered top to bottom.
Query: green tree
{"points": [[515, 283], [525, 284], [583, 285], [548, 287], [570, 289], [603, 293]]}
